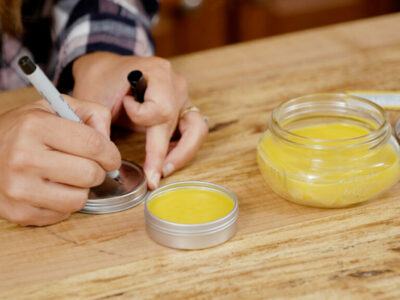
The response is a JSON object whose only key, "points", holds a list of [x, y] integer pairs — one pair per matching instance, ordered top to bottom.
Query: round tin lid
{"points": [[112, 196]]}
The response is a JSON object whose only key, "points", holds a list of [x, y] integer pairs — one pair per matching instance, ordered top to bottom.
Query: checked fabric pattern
{"points": [[58, 32]]}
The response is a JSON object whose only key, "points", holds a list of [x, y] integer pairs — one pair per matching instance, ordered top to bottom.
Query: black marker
{"points": [[138, 85]]}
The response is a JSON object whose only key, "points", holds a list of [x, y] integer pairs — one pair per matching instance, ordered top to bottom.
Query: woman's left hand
{"points": [[102, 77]]}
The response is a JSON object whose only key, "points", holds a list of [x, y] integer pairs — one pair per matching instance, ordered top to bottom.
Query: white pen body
{"points": [[44, 86]]}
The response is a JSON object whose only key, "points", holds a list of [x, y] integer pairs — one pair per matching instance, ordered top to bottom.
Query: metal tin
{"points": [[112, 196], [191, 236]]}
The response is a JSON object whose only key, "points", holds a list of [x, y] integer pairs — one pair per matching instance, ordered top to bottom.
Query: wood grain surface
{"points": [[281, 250]]}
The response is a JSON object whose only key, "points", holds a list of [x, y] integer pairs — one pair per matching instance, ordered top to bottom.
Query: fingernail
{"points": [[168, 169], [154, 179]]}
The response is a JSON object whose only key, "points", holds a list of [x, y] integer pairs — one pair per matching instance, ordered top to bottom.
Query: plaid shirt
{"points": [[58, 32]]}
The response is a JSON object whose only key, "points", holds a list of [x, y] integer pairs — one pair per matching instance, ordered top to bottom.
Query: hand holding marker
{"points": [[44, 86]]}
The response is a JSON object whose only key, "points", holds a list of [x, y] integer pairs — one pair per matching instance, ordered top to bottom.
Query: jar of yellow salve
{"points": [[329, 150]]}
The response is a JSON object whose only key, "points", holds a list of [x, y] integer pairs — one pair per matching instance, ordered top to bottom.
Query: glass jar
{"points": [[329, 150]]}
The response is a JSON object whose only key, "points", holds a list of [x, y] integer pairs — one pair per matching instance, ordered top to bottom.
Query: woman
{"points": [[95, 44]]}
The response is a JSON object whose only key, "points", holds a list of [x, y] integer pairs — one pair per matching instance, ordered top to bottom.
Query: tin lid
{"points": [[112, 196]]}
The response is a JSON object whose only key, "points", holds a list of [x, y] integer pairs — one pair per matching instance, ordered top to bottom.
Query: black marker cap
{"points": [[27, 65], [135, 76], [138, 85]]}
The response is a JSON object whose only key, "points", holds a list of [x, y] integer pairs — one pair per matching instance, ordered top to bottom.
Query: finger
{"points": [[165, 94], [149, 113], [93, 114], [193, 130], [80, 140], [157, 140], [70, 170], [45, 194], [59, 197], [24, 214]]}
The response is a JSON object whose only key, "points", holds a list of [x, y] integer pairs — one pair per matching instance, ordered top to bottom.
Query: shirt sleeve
{"points": [[85, 26]]}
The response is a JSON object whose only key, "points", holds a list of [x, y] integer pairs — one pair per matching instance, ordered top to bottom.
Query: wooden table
{"points": [[281, 250]]}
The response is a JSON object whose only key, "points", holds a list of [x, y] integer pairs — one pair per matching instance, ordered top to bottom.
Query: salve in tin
{"points": [[191, 206], [191, 215]]}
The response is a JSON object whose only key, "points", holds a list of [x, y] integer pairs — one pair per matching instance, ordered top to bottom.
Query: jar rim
{"points": [[376, 134]]}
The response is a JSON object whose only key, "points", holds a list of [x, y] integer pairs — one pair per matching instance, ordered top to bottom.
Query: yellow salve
{"points": [[332, 131], [330, 176], [190, 206]]}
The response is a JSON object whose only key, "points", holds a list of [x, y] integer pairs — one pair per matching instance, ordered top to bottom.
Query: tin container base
{"points": [[190, 242]]}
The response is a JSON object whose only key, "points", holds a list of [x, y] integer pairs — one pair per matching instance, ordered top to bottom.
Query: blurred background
{"points": [[191, 25]]}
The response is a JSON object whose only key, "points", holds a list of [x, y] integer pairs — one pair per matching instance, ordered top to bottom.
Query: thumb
{"points": [[92, 114], [146, 114]]}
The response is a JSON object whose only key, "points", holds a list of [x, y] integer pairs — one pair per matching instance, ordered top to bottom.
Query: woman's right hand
{"points": [[48, 163]]}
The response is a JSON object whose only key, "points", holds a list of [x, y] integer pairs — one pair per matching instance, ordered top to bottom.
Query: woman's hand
{"points": [[102, 77], [48, 163]]}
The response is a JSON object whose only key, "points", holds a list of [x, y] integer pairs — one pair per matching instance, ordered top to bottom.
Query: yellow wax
{"points": [[332, 131], [335, 177], [191, 206]]}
